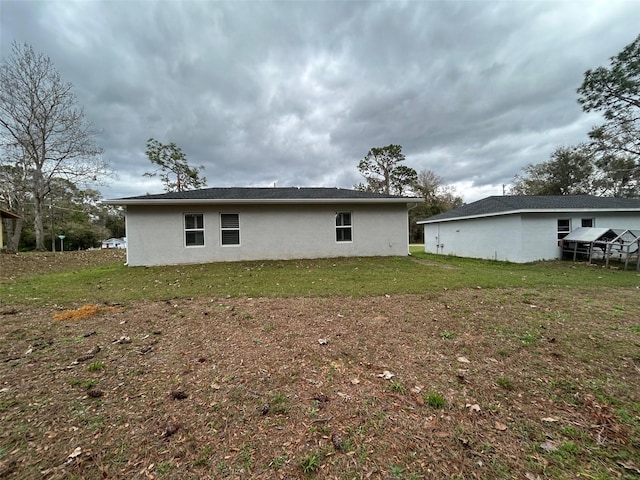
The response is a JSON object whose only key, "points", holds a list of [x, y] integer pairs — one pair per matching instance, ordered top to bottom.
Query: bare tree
{"points": [[43, 130]]}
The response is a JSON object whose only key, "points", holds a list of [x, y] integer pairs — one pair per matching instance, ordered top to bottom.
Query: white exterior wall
{"points": [[155, 234], [496, 238], [516, 238]]}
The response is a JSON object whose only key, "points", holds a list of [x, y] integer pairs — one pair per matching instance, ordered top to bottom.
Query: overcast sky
{"points": [[296, 93]]}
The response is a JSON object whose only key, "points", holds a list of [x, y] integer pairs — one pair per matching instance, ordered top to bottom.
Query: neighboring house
{"points": [[5, 214], [230, 224], [523, 228], [117, 243]]}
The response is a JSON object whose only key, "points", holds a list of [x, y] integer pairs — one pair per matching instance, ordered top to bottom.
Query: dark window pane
{"points": [[343, 219], [229, 220], [192, 221], [587, 222], [343, 234], [231, 237], [194, 238]]}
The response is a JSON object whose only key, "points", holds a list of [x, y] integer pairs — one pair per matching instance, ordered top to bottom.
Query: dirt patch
{"points": [[422, 261], [468, 384]]}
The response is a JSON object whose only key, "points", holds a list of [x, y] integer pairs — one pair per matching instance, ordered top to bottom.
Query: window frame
{"points": [[591, 220], [341, 227], [195, 229], [224, 229], [561, 232]]}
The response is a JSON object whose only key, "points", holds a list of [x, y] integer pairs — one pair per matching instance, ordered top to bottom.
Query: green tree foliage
{"points": [[615, 91], [43, 132], [173, 168], [569, 171], [383, 172], [616, 176], [437, 199], [76, 213]]}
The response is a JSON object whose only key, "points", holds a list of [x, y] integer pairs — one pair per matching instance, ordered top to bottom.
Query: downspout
{"points": [[415, 205], [126, 232]]}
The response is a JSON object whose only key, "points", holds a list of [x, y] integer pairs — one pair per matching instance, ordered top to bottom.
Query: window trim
{"points": [[592, 220], [348, 227], [230, 229], [187, 230], [563, 233]]}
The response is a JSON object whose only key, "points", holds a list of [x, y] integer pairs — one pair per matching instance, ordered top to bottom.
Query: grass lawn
{"points": [[415, 367]]}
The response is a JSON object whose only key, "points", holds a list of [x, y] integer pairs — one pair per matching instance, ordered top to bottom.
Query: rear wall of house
{"points": [[156, 235], [515, 238]]}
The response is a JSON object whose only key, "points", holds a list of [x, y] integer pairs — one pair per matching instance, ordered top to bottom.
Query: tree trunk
{"points": [[38, 227], [14, 231]]}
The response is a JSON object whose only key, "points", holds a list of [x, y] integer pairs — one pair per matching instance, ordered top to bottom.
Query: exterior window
{"points": [[588, 222], [343, 227], [564, 227], [230, 228], [194, 229]]}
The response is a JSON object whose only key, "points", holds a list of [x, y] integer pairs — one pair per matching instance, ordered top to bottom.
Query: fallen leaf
{"points": [[323, 341], [463, 360], [387, 375], [355, 381], [344, 396], [474, 408], [550, 419], [500, 426], [76, 453]]}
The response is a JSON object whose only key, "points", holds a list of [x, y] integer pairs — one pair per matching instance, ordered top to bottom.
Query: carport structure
{"points": [[605, 243]]}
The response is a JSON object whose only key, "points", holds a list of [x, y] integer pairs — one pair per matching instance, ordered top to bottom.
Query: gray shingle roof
{"points": [[262, 194], [501, 205]]}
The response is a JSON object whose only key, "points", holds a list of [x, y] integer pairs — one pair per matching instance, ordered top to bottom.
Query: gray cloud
{"points": [[297, 92]]}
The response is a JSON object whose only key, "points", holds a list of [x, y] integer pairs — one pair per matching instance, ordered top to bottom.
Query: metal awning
{"points": [[590, 234]]}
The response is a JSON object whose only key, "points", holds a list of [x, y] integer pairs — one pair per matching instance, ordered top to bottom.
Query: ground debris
{"points": [[89, 355], [178, 394], [381, 428], [170, 429], [337, 442]]}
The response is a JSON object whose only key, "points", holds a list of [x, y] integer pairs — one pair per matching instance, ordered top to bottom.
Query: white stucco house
{"points": [[231, 224], [523, 228], [117, 243]]}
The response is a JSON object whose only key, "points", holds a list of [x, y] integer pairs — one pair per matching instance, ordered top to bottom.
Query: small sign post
{"points": [[61, 237]]}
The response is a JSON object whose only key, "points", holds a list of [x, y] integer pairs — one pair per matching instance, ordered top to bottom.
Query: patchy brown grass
{"points": [[19, 265], [513, 383]]}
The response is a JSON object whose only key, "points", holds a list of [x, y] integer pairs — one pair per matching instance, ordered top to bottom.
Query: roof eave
{"points": [[272, 201], [530, 210]]}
